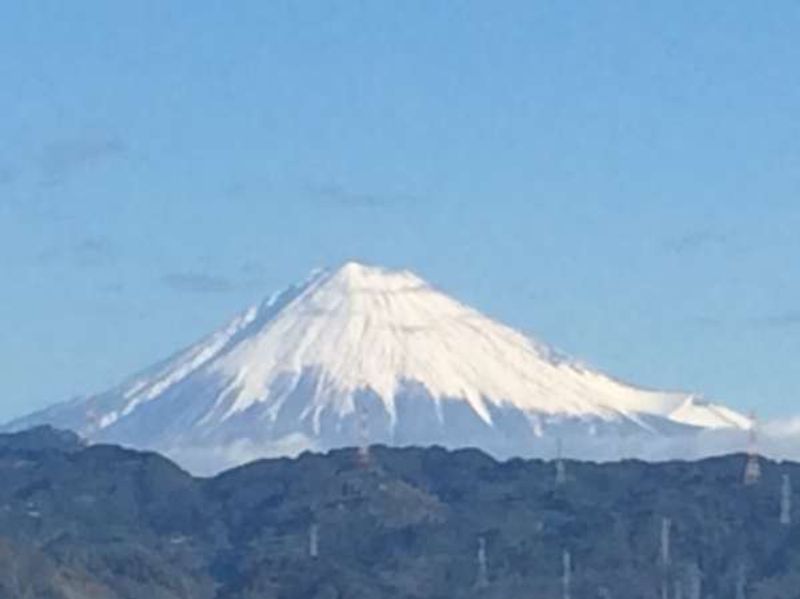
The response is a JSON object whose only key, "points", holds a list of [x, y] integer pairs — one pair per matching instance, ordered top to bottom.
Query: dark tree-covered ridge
{"points": [[106, 522]]}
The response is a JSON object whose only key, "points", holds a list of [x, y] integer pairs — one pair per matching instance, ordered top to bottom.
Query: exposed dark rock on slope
{"points": [[102, 522]]}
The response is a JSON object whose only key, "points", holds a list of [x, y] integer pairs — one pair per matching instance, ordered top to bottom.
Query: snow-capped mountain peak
{"points": [[302, 369]]}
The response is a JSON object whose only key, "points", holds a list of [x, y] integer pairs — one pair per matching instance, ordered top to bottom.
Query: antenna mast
{"points": [[92, 419], [363, 437], [561, 471], [752, 471], [786, 501], [313, 541], [665, 558], [483, 570], [566, 575], [695, 581], [741, 582]]}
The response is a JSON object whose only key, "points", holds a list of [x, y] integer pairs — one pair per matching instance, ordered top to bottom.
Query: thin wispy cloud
{"points": [[60, 159], [334, 193], [696, 241], [95, 251], [86, 252], [250, 267], [197, 282], [113, 287], [789, 319], [782, 320], [706, 322]]}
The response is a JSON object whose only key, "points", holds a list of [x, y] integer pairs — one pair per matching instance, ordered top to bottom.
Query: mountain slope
{"points": [[363, 353]]}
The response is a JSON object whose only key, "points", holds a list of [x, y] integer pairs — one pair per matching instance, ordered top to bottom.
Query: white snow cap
{"points": [[369, 328], [289, 372]]}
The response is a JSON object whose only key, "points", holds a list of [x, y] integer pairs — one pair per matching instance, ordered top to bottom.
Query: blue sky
{"points": [[620, 179]]}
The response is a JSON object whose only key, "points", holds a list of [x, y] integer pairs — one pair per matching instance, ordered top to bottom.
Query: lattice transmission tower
{"points": [[752, 470]]}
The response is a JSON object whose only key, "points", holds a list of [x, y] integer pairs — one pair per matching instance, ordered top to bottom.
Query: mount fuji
{"points": [[363, 354]]}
